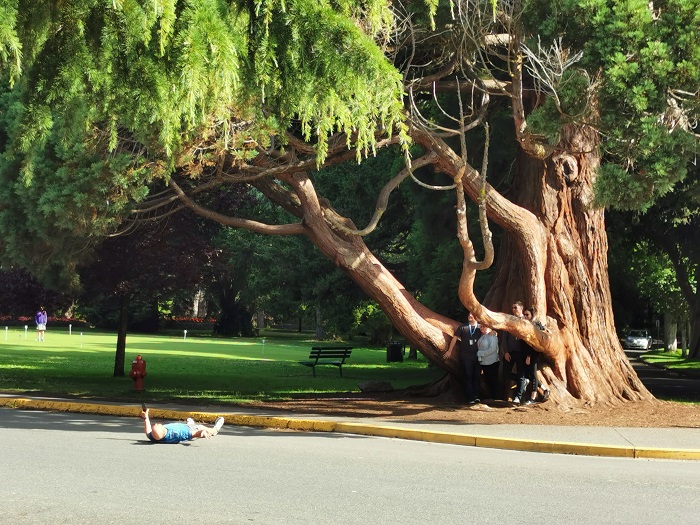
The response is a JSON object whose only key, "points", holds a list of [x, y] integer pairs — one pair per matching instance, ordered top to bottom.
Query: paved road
{"points": [[664, 384], [80, 469]]}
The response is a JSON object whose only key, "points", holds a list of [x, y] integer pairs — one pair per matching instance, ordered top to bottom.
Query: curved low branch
{"points": [[259, 227]]}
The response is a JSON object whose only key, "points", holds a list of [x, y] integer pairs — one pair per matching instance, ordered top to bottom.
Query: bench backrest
{"points": [[330, 352]]}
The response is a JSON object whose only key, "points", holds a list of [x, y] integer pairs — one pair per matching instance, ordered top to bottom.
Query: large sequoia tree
{"points": [[110, 96]]}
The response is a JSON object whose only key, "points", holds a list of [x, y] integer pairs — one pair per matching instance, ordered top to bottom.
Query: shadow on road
{"points": [[665, 384], [70, 422]]}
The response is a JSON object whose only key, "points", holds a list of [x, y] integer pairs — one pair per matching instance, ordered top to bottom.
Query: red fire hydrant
{"points": [[138, 372]]}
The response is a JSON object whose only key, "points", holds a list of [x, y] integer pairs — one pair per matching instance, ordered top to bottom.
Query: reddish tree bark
{"points": [[554, 258], [585, 360]]}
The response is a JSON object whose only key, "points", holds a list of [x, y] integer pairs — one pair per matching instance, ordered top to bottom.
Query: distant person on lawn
{"points": [[41, 320], [177, 432]]}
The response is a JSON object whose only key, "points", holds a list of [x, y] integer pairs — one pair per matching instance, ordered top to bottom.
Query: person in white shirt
{"points": [[488, 359]]}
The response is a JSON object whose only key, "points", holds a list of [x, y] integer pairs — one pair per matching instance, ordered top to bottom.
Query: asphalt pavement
{"points": [[646, 443]]}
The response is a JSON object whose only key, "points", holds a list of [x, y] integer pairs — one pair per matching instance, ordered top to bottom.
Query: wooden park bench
{"points": [[327, 355]]}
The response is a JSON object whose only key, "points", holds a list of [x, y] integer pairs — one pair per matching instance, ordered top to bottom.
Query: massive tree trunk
{"points": [[554, 258], [566, 279]]}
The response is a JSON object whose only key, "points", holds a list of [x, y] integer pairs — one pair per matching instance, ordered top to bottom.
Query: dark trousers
{"points": [[520, 372], [531, 373], [491, 377], [472, 378]]}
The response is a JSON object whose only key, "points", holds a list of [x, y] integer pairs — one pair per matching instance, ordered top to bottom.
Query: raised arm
{"points": [[146, 422]]}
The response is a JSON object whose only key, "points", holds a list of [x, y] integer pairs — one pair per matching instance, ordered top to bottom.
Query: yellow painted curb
{"points": [[311, 425], [363, 429], [555, 447], [666, 453]]}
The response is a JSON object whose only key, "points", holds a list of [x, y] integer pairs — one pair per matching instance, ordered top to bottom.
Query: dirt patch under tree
{"points": [[400, 405]]}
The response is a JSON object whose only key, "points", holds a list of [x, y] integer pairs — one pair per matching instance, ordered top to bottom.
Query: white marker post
{"points": [[70, 329], [25, 331], [185, 336], [81, 339], [263, 345]]}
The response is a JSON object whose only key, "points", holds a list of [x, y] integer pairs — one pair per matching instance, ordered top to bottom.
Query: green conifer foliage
{"points": [[644, 61], [102, 97]]}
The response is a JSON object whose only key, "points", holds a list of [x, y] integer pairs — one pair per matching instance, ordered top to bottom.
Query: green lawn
{"points": [[197, 367]]}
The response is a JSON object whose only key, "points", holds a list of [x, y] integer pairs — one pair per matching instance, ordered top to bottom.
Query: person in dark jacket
{"points": [[468, 335], [514, 354], [531, 356]]}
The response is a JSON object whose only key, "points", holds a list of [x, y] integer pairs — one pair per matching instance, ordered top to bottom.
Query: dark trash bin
{"points": [[395, 351]]}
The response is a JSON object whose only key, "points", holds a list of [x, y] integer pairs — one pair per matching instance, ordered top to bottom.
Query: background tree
{"points": [[207, 94], [669, 232], [650, 273], [130, 274], [21, 295]]}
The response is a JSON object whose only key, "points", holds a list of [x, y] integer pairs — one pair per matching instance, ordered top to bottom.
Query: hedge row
{"points": [[53, 322]]}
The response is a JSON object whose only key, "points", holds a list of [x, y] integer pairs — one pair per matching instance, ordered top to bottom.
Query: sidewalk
{"points": [[647, 443]]}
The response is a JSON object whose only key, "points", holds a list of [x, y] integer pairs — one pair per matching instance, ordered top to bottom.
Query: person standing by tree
{"points": [[41, 320], [468, 335], [514, 354], [488, 359], [531, 361]]}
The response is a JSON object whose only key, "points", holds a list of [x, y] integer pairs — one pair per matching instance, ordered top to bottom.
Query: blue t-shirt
{"points": [[41, 317], [175, 432]]}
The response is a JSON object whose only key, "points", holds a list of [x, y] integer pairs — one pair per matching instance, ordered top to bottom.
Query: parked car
{"points": [[637, 340]]}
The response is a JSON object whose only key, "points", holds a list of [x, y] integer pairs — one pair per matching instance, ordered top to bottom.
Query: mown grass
{"points": [[198, 367]]}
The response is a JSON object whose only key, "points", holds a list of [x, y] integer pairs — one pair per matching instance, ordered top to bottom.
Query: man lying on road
{"points": [[177, 432]]}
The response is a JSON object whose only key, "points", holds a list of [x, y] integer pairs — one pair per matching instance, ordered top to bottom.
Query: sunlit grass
{"points": [[193, 367]]}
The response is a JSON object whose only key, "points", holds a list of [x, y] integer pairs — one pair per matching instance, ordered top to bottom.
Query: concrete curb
{"points": [[363, 429]]}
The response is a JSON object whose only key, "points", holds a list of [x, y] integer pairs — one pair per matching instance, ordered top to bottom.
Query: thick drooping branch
{"points": [[424, 328]]}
